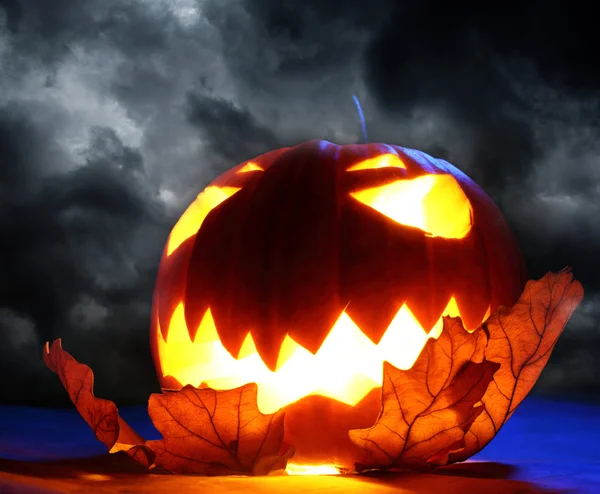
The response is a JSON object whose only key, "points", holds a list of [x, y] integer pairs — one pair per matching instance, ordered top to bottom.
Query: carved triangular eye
{"points": [[381, 161], [250, 167], [435, 204], [194, 215]]}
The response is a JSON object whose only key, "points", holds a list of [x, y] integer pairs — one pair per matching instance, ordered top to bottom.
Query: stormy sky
{"points": [[114, 114]]}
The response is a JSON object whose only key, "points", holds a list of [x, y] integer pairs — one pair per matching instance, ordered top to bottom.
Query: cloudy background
{"points": [[115, 113]]}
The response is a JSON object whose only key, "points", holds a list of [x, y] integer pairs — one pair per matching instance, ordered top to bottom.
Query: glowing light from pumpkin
{"points": [[381, 161], [250, 167], [433, 203], [194, 215], [348, 365], [325, 469]]}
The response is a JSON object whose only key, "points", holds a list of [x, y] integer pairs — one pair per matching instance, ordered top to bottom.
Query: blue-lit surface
{"points": [[552, 443]]}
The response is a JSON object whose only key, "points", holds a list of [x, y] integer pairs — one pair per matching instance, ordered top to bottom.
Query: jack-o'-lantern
{"points": [[306, 268]]}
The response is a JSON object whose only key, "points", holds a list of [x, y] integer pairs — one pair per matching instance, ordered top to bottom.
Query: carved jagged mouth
{"points": [[346, 367]]}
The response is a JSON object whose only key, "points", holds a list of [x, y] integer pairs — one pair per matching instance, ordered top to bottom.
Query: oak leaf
{"points": [[521, 339], [428, 408], [100, 414], [204, 431], [217, 432]]}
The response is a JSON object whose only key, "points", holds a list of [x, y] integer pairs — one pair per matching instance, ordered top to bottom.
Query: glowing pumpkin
{"points": [[306, 268]]}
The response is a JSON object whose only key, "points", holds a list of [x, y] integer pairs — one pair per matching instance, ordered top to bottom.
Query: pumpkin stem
{"points": [[361, 117]]}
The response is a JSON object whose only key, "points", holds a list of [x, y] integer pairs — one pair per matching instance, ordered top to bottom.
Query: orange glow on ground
{"points": [[435, 204], [347, 366], [295, 469]]}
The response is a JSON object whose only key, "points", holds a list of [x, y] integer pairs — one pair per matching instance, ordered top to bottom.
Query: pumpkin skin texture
{"points": [[294, 244]]}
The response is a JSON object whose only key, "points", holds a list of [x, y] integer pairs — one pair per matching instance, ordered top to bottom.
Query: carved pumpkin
{"points": [[306, 268]]}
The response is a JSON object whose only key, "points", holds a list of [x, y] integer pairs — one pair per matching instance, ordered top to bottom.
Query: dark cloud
{"points": [[294, 41], [450, 61], [518, 81], [114, 114], [231, 132], [20, 143], [78, 258], [573, 367]]}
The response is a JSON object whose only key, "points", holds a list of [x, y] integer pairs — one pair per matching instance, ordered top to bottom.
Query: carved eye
{"points": [[382, 161], [250, 167], [435, 204], [195, 214], [191, 220]]}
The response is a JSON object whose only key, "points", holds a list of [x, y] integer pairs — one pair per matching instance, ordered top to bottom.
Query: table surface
{"points": [[547, 446]]}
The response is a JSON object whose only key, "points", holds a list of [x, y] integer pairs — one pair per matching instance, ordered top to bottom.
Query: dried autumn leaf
{"points": [[521, 339], [428, 408], [101, 415], [205, 431], [216, 432]]}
